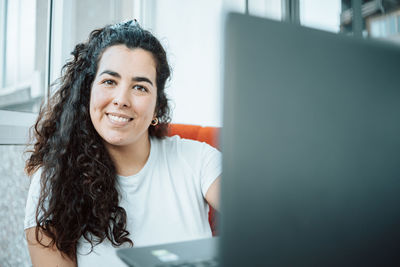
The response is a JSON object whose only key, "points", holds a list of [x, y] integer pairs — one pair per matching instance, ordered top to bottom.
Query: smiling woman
{"points": [[123, 103], [103, 173]]}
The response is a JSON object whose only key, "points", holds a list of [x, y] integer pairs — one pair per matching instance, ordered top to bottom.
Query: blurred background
{"points": [[37, 36]]}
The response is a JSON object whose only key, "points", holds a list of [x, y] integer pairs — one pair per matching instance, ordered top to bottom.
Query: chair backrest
{"points": [[208, 135]]}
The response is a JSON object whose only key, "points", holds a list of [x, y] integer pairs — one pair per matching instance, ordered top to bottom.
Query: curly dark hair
{"points": [[79, 193]]}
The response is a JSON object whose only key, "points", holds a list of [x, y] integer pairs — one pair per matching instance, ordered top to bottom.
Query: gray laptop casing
{"points": [[311, 146], [172, 253]]}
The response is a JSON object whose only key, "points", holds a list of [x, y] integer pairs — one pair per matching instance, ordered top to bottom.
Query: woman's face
{"points": [[123, 95]]}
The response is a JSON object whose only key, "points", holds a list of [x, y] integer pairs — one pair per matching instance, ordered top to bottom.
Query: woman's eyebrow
{"points": [[110, 72], [135, 79], [142, 79]]}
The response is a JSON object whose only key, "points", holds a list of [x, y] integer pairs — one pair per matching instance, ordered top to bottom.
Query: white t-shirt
{"points": [[164, 202]]}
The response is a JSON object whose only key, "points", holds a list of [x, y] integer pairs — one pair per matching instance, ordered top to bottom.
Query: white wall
{"points": [[191, 33]]}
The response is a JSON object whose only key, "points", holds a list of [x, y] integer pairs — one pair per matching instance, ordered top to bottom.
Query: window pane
{"points": [[266, 8], [324, 15], [398, 24], [391, 25], [24, 44]]}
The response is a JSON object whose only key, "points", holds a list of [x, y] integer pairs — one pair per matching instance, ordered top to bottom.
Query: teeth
{"points": [[116, 118]]}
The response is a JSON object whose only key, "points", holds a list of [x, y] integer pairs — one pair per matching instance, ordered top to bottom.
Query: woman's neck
{"points": [[129, 160]]}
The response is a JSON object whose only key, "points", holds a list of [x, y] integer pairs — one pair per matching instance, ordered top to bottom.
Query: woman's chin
{"points": [[123, 140], [116, 142]]}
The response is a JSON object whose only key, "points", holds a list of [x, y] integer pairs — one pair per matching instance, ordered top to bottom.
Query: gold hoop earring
{"points": [[154, 122]]}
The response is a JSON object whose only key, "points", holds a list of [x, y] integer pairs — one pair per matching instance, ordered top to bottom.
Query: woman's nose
{"points": [[121, 98]]}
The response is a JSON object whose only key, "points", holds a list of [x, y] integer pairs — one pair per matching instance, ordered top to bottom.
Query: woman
{"points": [[104, 174]]}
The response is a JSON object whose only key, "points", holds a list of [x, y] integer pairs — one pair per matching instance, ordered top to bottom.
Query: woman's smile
{"points": [[119, 119]]}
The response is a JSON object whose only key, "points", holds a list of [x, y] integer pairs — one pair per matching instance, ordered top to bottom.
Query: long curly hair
{"points": [[79, 192]]}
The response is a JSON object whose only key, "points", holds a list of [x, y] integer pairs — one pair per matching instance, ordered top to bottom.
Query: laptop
{"points": [[311, 150], [187, 253]]}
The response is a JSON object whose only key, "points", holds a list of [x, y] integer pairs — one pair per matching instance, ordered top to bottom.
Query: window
{"points": [[266, 8], [323, 15], [384, 26], [23, 47]]}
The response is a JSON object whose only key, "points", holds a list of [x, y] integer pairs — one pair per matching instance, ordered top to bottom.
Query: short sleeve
{"points": [[211, 167], [32, 201]]}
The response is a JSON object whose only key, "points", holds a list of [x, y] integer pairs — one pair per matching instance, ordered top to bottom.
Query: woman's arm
{"points": [[212, 195], [42, 256]]}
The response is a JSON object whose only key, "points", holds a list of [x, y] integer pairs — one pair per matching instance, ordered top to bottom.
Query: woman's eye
{"points": [[109, 82], [140, 88]]}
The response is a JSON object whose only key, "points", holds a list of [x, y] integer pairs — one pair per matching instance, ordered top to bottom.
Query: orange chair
{"points": [[208, 135]]}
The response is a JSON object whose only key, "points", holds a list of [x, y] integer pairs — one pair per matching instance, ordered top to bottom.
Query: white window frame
{"points": [[3, 11], [14, 125]]}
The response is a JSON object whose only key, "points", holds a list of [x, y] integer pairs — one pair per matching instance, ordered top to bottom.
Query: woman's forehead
{"points": [[120, 58]]}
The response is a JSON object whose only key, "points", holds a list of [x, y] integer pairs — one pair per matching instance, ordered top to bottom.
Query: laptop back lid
{"points": [[311, 144], [172, 254]]}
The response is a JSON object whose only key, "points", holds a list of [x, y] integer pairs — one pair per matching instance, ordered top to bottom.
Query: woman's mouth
{"points": [[119, 119]]}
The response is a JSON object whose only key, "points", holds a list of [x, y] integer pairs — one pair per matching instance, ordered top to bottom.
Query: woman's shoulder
{"points": [[176, 142], [191, 151], [35, 180], [32, 200]]}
